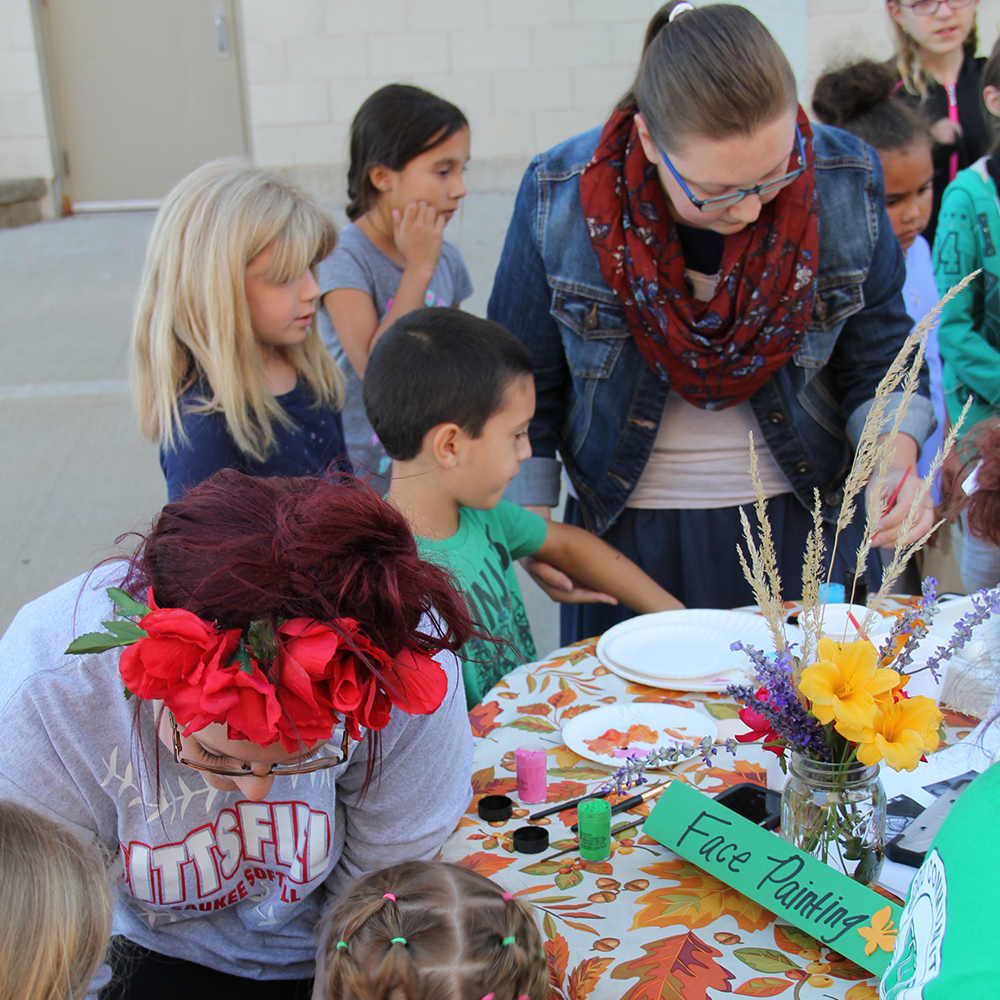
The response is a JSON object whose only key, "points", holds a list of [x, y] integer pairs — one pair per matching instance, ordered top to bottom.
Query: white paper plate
{"points": [[685, 650], [697, 685], [666, 725]]}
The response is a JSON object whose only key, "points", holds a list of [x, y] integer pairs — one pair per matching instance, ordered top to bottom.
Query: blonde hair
{"points": [[915, 80], [192, 320], [55, 909], [426, 930]]}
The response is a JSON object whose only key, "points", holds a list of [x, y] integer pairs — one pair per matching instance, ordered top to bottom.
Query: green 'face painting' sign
{"points": [[841, 913]]}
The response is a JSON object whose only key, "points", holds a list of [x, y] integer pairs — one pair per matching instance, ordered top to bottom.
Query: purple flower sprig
{"points": [[984, 604], [913, 624], [782, 710], [633, 771]]}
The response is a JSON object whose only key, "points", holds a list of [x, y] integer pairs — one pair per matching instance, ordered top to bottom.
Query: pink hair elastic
{"points": [[389, 895], [507, 897], [489, 996]]}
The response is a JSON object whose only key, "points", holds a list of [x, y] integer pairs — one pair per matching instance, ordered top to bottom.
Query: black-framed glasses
{"points": [[924, 8], [761, 190], [324, 759]]}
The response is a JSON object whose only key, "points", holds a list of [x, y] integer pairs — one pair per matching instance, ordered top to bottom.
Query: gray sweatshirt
{"points": [[206, 875]]}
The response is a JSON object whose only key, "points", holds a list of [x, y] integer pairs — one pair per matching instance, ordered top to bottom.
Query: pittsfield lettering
{"points": [[282, 842]]}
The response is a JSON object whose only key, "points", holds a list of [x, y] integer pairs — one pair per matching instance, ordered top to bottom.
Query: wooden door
{"points": [[142, 93]]}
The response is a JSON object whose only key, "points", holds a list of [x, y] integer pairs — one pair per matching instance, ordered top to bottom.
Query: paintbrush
{"points": [[635, 800], [572, 803], [637, 822]]}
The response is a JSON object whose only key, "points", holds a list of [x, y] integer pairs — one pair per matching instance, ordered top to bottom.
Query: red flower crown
{"points": [[325, 671]]}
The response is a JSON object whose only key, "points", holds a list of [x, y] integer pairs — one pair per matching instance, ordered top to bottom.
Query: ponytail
{"points": [[713, 71]]}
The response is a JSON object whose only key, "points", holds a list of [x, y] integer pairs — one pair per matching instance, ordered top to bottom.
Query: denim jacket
{"points": [[599, 403]]}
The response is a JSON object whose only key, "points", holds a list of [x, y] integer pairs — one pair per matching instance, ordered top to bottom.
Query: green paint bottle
{"points": [[594, 817]]}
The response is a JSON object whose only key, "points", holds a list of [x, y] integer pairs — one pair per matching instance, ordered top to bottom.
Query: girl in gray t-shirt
{"points": [[408, 152]]}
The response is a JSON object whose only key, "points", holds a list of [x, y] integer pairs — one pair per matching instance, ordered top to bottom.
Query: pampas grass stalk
{"points": [[875, 447], [869, 471], [903, 551], [762, 572], [811, 618]]}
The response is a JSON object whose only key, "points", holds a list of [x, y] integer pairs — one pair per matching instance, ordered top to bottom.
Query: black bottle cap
{"points": [[495, 808], [531, 839]]}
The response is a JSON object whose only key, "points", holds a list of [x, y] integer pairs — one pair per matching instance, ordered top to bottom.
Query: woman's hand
{"points": [[419, 232], [887, 528], [561, 587]]}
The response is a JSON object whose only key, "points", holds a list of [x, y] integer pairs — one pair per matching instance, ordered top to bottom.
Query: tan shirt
{"points": [[701, 458]]}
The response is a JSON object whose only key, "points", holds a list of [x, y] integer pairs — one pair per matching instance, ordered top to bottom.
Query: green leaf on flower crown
{"points": [[126, 604], [126, 631], [260, 641], [96, 642], [242, 657], [126, 692]]}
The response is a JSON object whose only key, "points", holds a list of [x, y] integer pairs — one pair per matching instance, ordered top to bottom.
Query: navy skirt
{"points": [[692, 553]]}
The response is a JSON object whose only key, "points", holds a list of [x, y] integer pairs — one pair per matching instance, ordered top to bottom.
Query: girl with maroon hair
{"points": [[978, 500], [282, 719]]}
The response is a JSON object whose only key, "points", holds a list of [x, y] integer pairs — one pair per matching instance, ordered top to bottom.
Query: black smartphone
{"points": [[753, 802], [911, 846]]}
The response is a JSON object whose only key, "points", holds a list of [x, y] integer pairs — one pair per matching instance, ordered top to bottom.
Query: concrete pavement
{"points": [[74, 471]]}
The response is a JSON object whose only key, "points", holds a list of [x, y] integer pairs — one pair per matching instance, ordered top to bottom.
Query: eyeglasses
{"points": [[924, 8], [726, 200], [324, 760]]}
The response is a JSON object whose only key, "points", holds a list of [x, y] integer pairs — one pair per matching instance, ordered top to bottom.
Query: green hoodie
{"points": [[969, 332]]}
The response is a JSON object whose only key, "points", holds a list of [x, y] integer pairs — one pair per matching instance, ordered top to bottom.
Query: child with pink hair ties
{"points": [[428, 930]]}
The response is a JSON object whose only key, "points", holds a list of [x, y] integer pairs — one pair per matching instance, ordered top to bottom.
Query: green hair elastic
{"points": [[398, 941], [508, 941], [341, 944]]}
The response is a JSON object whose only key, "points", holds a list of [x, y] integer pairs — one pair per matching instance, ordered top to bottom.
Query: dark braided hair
{"points": [[426, 930]]}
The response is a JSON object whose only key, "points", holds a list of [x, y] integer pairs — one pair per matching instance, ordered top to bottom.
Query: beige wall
{"points": [[527, 72], [24, 138]]}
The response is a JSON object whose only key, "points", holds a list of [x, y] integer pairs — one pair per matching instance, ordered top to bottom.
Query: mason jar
{"points": [[836, 812]]}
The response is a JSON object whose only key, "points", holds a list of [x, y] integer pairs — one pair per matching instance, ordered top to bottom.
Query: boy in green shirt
{"points": [[450, 397]]}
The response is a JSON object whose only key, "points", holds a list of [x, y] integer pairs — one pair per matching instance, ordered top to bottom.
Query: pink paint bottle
{"points": [[532, 777]]}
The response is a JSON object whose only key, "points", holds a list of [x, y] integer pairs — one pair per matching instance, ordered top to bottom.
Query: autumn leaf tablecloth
{"points": [[646, 924]]}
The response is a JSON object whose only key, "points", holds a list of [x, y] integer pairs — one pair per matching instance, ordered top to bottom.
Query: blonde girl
{"points": [[935, 57], [409, 149], [227, 367], [55, 909], [429, 931]]}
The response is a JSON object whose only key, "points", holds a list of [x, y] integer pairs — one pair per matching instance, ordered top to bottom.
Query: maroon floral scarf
{"points": [[715, 353]]}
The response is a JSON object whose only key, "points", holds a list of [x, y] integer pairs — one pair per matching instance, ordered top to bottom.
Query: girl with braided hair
{"points": [[428, 930]]}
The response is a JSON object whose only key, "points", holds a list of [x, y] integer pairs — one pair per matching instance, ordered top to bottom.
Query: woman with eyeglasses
{"points": [[939, 73], [706, 265], [265, 704]]}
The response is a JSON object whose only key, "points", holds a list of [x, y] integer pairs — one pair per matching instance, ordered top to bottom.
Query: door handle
{"points": [[220, 30]]}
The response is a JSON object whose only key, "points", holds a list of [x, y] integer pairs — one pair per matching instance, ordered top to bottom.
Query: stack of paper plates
{"points": [[686, 650]]}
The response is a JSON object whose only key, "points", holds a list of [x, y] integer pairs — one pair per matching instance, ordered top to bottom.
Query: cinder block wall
{"points": [[526, 72]]}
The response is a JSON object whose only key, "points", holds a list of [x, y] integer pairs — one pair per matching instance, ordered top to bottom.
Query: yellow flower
{"points": [[844, 683], [902, 734], [881, 934]]}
